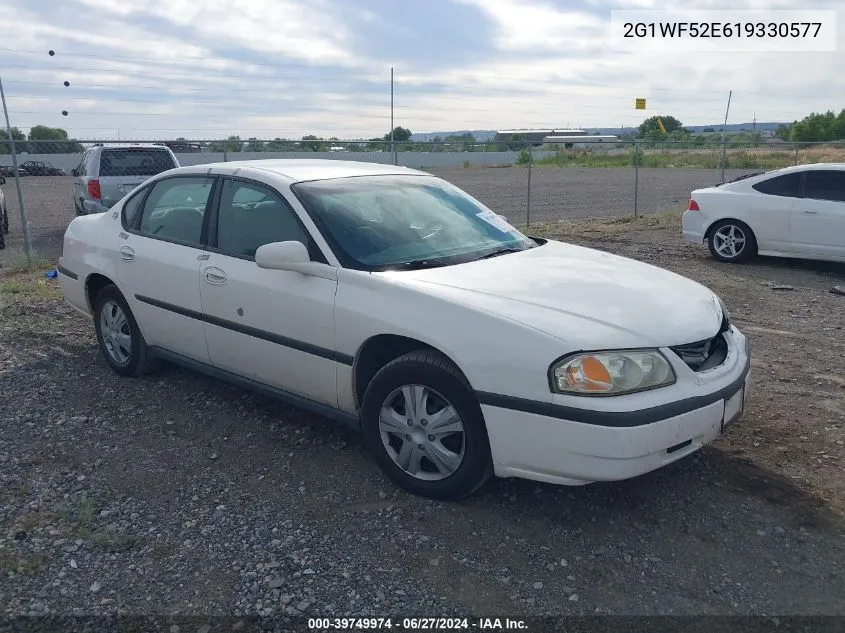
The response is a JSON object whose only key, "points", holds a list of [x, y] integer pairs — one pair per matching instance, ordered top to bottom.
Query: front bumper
{"points": [[539, 443]]}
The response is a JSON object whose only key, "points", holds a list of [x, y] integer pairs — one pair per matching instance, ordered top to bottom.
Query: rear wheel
{"points": [[731, 241], [121, 342], [425, 428]]}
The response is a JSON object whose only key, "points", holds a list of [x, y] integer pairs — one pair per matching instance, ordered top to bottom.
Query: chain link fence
{"points": [[529, 183]]}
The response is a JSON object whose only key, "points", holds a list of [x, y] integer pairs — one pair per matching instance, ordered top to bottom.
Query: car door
{"points": [[817, 223], [159, 259], [273, 326]]}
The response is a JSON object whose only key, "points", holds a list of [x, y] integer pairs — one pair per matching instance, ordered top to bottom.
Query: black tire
{"points": [[77, 208], [4, 229], [745, 250], [139, 361], [432, 371]]}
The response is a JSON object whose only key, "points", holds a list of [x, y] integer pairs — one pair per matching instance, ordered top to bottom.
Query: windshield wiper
{"points": [[501, 251], [416, 264]]}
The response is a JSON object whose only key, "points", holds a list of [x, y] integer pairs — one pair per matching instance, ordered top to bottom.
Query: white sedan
{"points": [[792, 212], [388, 299]]}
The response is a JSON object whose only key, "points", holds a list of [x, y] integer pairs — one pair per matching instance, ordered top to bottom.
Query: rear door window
{"points": [[134, 162], [788, 185], [825, 185], [175, 209]]}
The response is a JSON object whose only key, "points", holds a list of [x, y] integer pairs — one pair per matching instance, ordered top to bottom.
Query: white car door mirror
{"points": [[281, 255], [292, 256]]}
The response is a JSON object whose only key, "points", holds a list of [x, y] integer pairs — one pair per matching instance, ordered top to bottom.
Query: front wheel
{"points": [[731, 241], [425, 428]]}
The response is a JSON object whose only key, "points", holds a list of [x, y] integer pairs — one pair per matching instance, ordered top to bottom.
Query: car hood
{"points": [[584, 296]]}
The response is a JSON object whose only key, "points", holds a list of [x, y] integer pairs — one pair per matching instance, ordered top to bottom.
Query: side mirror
{"points": [[292, 256]]}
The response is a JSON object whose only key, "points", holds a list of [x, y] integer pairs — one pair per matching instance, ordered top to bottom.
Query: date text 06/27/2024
{"points": [[417, 624]]}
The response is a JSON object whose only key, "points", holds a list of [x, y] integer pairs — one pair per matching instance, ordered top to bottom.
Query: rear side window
{"points": [[134, 162], [788, 185], [825, 185], [131, 208], [175, 209]]}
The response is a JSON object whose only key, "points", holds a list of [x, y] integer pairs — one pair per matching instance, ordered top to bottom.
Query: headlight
{"points": [[611, 373]]}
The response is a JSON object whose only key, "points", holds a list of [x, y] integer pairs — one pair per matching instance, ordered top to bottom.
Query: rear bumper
{"points": [[91, 206], [693, 226], [73, 288], [533, 445]]}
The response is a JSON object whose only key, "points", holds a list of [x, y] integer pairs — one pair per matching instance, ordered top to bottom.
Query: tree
{"points": [[819, 127], [650, 128], [783, 131], [17, 135], [400, 135], [52, 140], [312, 143]]}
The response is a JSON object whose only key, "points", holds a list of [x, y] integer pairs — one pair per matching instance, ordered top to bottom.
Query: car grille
{"points": [[706, 354]]}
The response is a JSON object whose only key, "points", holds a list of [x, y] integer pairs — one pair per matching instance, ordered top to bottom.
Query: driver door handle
{"points": [[127, 253], [214, 275]]}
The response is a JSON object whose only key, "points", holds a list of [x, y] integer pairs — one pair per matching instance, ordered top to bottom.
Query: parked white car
{"points": [[792, 212], [390, 300]]}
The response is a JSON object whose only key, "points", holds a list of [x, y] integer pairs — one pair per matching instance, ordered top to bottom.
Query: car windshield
{"points": [[134, 162], [389, 222]]}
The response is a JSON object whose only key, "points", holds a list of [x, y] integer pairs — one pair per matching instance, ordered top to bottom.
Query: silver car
{"points": [[106, 174]]}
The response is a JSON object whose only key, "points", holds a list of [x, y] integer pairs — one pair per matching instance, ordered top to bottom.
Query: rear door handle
{"points": [[809, 212], [127, 253], [214, 275]]}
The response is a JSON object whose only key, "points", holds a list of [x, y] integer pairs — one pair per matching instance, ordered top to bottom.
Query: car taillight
{"points": [[94, 189], [693, 206]]}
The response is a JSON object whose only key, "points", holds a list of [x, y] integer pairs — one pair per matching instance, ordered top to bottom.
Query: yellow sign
{"points": [[640, 104]]}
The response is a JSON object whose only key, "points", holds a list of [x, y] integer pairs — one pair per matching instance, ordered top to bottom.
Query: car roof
{"points": [[807, 167], [300, 170]]}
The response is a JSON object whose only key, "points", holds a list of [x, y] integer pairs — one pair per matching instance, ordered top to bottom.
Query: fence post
{"points": [[225, 155], [795, 160], [636, 176], [528, 197], [27, 246]]}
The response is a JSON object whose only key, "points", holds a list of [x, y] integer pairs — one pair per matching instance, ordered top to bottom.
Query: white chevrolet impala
{"points": [[391, 300]]}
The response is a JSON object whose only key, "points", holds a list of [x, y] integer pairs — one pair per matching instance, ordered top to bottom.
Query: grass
{"points": [[692, 158], [35, 261], [27, 301]]}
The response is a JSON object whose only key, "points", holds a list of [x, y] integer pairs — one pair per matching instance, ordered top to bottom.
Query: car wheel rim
{"points": [[729, 241], [117, 337], [422, 432]]}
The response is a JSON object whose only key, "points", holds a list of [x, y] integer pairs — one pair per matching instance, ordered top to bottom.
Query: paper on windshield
{"points": [[495, 221]]}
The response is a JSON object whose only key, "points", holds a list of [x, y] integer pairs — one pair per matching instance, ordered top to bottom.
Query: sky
{"points": [[158, 69]]}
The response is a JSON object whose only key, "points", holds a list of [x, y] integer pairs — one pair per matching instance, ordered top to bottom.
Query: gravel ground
{"points": [[556, 193], [176, 494]]}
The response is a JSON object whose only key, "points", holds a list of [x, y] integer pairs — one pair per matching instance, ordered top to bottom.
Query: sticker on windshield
{"points": [[495, 221]]}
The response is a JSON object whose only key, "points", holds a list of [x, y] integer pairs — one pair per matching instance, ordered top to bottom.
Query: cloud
{"points": [[165, 68]]}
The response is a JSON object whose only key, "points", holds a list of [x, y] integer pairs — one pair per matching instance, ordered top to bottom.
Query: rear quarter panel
{"points": [[768, 216], [88, 249]]}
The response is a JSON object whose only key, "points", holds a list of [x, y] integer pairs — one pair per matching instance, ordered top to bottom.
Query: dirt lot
{"points": [[556, 194], [175, 494]]}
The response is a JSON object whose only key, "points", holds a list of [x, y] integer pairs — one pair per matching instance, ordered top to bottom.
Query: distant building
{"points": [[535, 137]]}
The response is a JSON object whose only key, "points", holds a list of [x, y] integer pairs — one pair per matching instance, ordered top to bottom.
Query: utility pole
{"points": [[724, 135], [392, 145], [27, 246]]}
